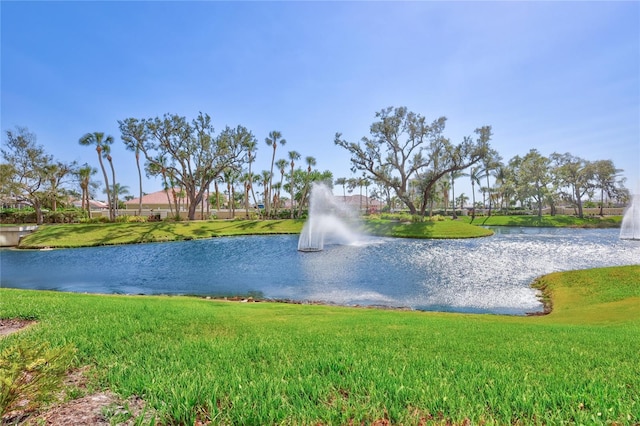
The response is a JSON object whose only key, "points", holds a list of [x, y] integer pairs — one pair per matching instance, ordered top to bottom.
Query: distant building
{"points": [[160, 201], [360, 202], [95, 204]]}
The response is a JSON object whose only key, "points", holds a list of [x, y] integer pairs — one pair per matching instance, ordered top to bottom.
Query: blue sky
{"points": [[555, 76]]}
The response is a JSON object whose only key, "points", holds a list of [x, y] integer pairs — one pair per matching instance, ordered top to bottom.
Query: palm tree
{"points": [[134, 136], [272, 140], [100, 142], [252, 146], [106, 152], [293, 156], [311, 162], [491, 162], [281, 164], [84, 175], [455, 175], [475, 175], [230, 176], [501, 176], [255, 177], [245, 178], [445, 186], [217, 189], [118, 190], [276, 198], [461, 200]]}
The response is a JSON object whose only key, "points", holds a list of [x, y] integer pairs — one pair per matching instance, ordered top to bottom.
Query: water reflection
{"points": [[476, 275]]}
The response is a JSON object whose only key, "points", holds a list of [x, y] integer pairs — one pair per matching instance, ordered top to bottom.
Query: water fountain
{"points": [[329, 222], [630, 229]]}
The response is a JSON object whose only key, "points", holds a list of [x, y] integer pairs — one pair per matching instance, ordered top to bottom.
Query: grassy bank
{"points": [[559, 221], [436, 229], [86, 235], [265, 363]]}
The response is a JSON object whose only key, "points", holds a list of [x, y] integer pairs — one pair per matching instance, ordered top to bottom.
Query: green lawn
{"points": [[560, 221], [428, 229], [84, 235], [262, 363]]}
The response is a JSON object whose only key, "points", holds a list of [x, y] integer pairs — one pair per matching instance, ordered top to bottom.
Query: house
{"points": [[159, 201], [359, 202], [95, 204], [162, 204]]}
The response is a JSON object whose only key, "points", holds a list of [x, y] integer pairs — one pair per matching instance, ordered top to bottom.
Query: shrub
{"points": [[28, 215], [99, 219], [131, 219], [29, 376]]}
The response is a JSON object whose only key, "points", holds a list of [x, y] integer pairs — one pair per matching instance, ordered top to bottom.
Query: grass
{"points": [[557, 221], [428, 229], [87, 235], [265, 363]]}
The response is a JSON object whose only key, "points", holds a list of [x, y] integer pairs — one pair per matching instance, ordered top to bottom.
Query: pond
{"points": [[481, 275]]}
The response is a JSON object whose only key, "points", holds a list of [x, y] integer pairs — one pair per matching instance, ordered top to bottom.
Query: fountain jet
{"points": [[329, 222], [630, 229]]}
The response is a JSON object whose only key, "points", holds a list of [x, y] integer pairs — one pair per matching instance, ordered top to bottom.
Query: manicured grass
{"points": [[559, 221], [427, 229], [87, 235], [266, 363]]}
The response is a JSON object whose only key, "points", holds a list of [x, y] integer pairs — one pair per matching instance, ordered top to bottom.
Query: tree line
{"points": [[187, 155], [405, 158], [410, 160]]}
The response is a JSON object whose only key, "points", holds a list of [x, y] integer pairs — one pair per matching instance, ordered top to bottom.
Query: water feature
{"points": [[329, 222], [630, 228], [489, 275]]}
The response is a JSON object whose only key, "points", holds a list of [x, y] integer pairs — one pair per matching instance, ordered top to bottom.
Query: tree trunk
{"points": [[106, 180], [140, 181], [215, 184], [115, 191], [166, 191], [292, 192], [489, 193], [453, 197], [246, 200], [473, 201], [601, 202], [409, 203], [579, 203], [38, 208], [192, 210]]}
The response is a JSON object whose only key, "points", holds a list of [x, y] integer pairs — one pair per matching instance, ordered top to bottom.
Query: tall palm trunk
{"points": [[106, 179], [165, 185], [215, 185], [115, 189], [292, 190], [489, 193], [453, 196], [246, 200], [88, 202], [473, 202]]}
